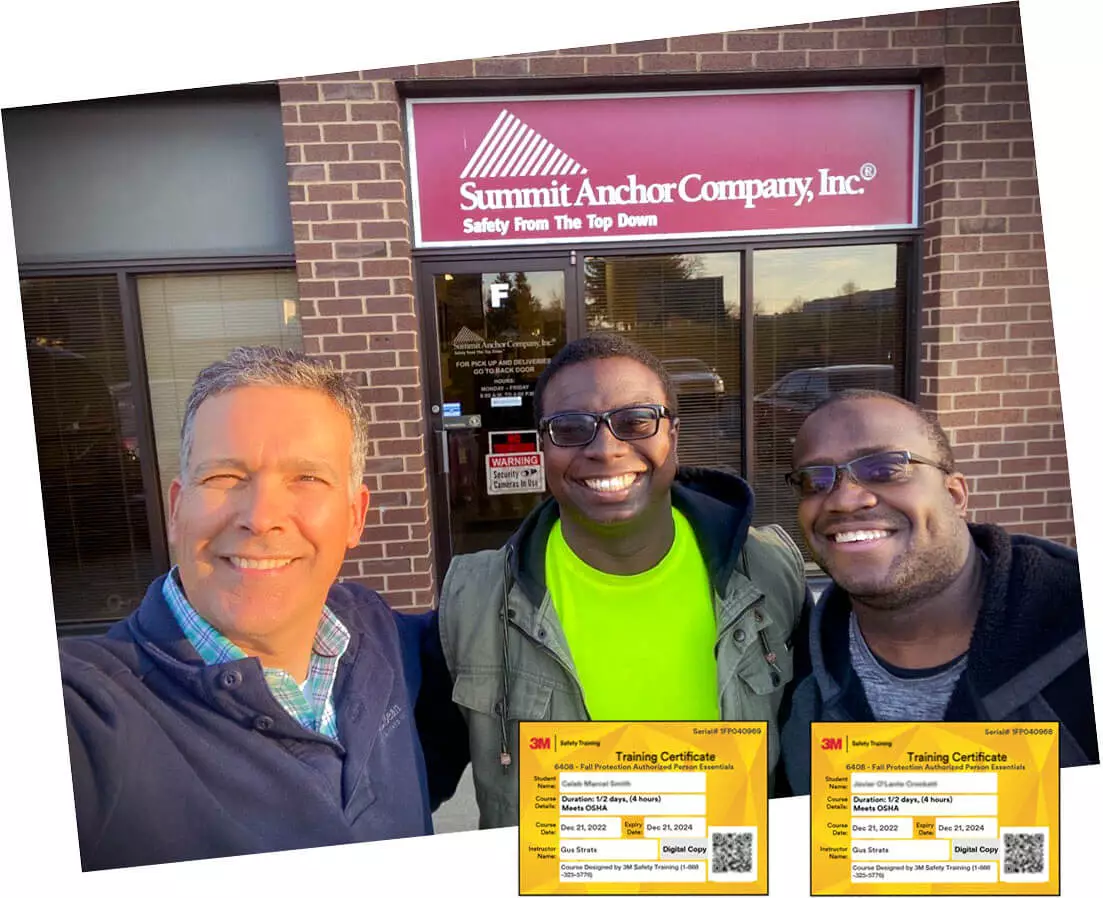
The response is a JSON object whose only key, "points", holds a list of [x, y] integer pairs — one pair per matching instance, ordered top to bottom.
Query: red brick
{"points": [[1004, 14], [837, 24], [917, 37], [808, 40], [861, 40], [752, 41], [697, 43], [657, 45], [597, 50], [930, 56], [966, 56], [888, 58], [781, 59], [837, 59], [668, 62], [557, 65], [618, 65], [500, 67], [463, 68], [987, 74], [349, 91], [298, 92], [1014, 93], [324, 112], [374, 112], [350, 132], [302, 134], [376, 150], [985, 150], [325, 152], [306, 173], [967, 189], [326, 193], [357, 211], [309, 212], [1024, 223], [334, 230], [371, 230], [1005, 242], [360, 250], [979, 261], [385, 267], [325, 270], [1010, 278], [366, 287], [317, 289], [395, 305], [332, 307], [318, 326], [1036, 330], [344, 343], [1031, 364], [980, 366], [396, 376], [967, 400], [1023, 465]]}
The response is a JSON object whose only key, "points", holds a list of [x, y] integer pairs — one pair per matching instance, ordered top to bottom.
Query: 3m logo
{"points": [[511, 149], [539, 742], [831, 743]]}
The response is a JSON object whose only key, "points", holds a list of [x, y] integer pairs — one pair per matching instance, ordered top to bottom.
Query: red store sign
{"points": [[525, 170]]}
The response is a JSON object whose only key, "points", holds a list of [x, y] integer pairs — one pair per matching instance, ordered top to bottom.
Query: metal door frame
{"points": [[436, 462]]}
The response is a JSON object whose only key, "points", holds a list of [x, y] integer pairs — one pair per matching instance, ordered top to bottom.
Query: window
{"points": [[685, 309], [826, 319], [192, 320], [94, 506]]}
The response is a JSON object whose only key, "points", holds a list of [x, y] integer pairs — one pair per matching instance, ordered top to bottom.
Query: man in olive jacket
{"points": [[638, 591]]}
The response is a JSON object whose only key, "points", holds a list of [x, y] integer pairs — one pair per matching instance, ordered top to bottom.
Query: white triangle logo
{"points": [[511, 149], [466, 335]]}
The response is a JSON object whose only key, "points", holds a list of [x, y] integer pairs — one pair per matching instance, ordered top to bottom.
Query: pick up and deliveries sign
{"points": [[528, 170]]}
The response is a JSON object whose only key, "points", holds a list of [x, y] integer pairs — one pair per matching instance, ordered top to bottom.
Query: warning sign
{"points": [[515, 473]]}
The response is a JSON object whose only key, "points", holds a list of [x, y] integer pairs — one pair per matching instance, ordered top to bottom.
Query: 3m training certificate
{"points": [[631, 808], [935, 808]]}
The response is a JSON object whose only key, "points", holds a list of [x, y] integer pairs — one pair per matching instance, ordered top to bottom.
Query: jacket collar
{"points": [[1031, 607], [163, 648]]}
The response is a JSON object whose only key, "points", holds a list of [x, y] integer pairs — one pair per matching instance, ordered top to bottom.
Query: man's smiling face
{"points": [[609, 481], [261, 519], [885, 544]]}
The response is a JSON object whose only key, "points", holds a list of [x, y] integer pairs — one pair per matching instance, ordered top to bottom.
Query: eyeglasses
{"points": [[633, 422], [880, 468]]}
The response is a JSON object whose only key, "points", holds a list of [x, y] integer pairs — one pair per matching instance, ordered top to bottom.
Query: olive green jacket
{"points": [[509, 660]]}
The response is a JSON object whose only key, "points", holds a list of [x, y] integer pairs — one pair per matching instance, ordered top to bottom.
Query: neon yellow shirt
{"points": [[643, 645]]}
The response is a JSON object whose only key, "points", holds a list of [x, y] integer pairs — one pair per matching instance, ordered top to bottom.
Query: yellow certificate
{"points": [[633, 808], [935, 808]]}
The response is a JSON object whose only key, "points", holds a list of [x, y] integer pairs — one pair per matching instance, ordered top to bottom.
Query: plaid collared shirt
{"points": [[312, 703]]}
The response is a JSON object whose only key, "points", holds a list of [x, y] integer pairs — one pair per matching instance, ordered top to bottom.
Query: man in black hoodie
{"points": [[929, 617]]}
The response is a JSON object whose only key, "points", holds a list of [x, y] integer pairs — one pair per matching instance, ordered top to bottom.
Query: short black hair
{"points": [[601, 345], [944, 454]]}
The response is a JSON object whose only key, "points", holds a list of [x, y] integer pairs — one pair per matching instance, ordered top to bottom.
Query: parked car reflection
{"points": [[780, 410]]}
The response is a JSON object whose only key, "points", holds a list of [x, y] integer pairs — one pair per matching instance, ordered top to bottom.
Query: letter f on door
{"points": [[498, 293]]}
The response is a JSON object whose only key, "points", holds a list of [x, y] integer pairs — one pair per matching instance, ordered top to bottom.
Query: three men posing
{"points": [[276, 709]]}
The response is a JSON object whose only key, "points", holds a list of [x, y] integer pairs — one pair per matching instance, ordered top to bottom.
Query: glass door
{"points": [[497, 324]]}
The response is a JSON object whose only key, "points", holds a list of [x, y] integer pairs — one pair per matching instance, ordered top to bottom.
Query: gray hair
{"points": [[270, 366]]}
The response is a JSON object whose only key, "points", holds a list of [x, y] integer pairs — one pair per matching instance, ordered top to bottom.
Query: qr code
{"points": [[732, 852], [1024, 853]]}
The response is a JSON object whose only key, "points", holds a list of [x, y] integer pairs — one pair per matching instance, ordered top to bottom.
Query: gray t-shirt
{"points": [[892, 697]]}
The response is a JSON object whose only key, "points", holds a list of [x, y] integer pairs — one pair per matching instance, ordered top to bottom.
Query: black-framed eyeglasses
{"points": [[632, 422], [880, 468]]}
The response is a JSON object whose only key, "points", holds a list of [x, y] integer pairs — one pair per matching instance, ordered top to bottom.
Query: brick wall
{"points": [[988, 364]]}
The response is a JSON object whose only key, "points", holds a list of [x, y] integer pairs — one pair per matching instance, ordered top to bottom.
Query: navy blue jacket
{"points": [[1028, 656], [174, 760]]}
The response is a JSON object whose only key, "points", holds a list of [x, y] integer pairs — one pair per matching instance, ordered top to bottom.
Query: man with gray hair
{"points": [[249, 703]]}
